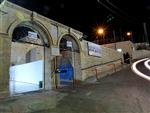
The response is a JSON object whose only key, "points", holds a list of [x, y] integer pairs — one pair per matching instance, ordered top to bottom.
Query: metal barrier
{"points": [[102, 64], [96, 67], [99, 70]]}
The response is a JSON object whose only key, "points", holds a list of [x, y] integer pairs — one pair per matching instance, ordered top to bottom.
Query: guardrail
{"points": [[102, 64], [98, 67]]}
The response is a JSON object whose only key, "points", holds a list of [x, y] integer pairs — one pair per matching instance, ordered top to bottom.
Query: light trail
{"points": [[146, 64], [136, 71]]}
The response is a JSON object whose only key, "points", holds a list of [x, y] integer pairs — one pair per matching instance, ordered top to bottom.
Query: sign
{"points": [[32, 35], [69, 44], [94, 49]]}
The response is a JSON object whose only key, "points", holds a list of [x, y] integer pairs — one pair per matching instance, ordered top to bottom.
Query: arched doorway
{"points": [[28, 50], [68, 62]]}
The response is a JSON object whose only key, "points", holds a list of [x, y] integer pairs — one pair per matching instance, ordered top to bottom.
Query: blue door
{"points": [[66, 73]]}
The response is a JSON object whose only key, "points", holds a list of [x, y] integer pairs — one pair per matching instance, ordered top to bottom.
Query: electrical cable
{"points": [[118, 9], [123, 15]]}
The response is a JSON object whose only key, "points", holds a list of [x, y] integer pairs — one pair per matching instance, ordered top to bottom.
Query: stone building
{"points": [[37, 52]]}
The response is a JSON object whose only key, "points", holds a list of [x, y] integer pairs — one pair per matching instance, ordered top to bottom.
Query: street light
{"points": [[100, 33], [129, 35]]}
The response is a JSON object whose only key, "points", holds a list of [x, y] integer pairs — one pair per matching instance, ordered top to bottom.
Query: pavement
{"points": [[121, 92]]}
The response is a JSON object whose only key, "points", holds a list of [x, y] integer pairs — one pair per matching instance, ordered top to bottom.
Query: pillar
{"points": [[5, 52], [47, 66]]}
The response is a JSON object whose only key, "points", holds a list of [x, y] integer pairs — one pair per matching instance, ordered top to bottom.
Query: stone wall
{"points": [[54, 31], [126, 46], [141, 46], [19, 53], [138, 54], [4, 62], [90, 63]]}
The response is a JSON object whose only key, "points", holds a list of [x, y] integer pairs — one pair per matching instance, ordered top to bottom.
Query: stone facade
{"points": [[12, 16], [126, 46], [4, 62], [90, 63]]}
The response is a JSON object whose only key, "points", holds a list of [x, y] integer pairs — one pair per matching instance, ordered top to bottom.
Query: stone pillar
{"points": [[5, 52], [77, 68], [47, 78]]}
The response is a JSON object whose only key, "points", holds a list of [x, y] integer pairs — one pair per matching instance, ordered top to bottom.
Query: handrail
{"points": [[102, 64], [96, 70]]}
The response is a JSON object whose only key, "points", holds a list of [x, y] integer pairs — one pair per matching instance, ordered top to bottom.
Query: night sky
{"points": [[87, 15]]}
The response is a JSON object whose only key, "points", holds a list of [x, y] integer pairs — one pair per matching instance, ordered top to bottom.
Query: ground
{"points": [[121, 92]]}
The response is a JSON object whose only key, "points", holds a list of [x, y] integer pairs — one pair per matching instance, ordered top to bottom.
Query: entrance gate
{"points": [[27, 58], [67, 68]]}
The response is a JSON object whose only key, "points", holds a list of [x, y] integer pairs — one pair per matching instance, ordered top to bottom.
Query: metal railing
{"points": [[101, 64], [97, 67]]}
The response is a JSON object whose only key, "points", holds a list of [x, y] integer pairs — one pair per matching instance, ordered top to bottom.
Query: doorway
{"points": [[68, 63], [27, 69]]}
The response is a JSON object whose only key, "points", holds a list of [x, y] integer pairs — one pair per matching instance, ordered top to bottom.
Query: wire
{"points": [[116, 7], [123, 15]]}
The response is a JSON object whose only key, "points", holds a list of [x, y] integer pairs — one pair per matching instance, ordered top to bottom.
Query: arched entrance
{"points": [[28, 56], [69, 62]]}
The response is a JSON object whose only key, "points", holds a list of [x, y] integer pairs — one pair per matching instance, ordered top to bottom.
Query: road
{"points": [[121, 92]]}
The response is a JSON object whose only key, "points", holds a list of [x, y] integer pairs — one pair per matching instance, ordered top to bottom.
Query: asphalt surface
{"points": [[141, 67], [121, 92]]}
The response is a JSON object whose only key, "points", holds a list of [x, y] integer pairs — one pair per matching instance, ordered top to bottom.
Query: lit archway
{"points": [[30, 45], [69, 62]]}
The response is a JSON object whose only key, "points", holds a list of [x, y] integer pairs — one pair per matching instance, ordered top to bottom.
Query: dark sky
{"points": [[87, 15]]}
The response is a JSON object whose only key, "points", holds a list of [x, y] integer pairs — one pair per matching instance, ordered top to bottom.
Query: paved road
{"points": [[141, 67], [122, 92]]}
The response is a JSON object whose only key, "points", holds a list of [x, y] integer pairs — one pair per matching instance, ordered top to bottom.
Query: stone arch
{"points": [[38, 24], [72, 36], [44, 56], [69, 60]]}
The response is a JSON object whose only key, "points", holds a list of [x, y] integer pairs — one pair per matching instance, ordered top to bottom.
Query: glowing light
{"points": [[100, 31], [128, 33], [119, 50], [146, 64], [136, 71], [28, 73]]}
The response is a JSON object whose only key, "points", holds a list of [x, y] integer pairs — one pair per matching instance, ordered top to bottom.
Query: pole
{"points": [[145, 33], [114, 38], [121, 38]]}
